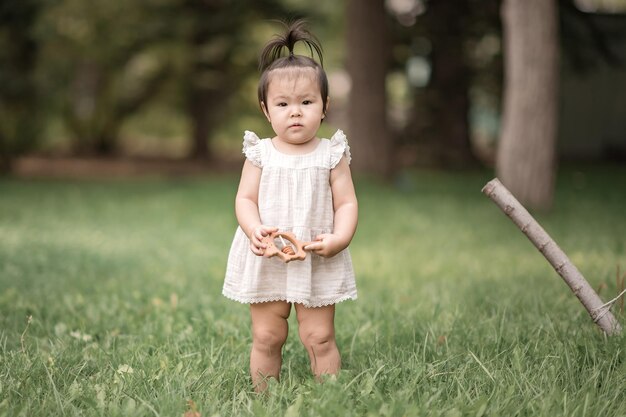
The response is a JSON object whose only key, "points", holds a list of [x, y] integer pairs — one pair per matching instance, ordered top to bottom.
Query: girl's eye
{"points": [[307, 102], [282, 104]]}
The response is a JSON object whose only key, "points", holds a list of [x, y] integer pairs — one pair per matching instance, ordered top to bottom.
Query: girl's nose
{"points": [[295, 112]]}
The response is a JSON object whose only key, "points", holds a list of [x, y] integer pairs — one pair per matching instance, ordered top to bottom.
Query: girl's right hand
{"points": [[256, 245]]}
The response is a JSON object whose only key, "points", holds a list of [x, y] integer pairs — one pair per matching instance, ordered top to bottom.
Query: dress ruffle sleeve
{"points": [[252, 148], [339, 148]]}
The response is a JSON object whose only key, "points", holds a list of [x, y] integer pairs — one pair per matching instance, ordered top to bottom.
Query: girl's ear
{"points": [[327, 106], [265, 112]]}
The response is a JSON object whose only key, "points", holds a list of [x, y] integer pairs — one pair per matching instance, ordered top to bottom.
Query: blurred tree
{"points": [[216, 33], [451, 37], [104, 61], [367, 61], [447, 94], [20, 115], [526, 153]]}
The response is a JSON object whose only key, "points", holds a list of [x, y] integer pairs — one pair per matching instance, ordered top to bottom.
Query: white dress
{"points": [[295, 196]]}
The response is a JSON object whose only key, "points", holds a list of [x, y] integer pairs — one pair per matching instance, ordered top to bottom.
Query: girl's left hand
{"points": [[325, 245]]}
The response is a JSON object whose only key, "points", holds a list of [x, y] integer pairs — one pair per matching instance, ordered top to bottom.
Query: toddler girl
{"points": [[300, 183]]}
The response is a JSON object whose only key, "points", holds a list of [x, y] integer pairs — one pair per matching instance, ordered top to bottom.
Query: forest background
{"points": [[413, 83]]}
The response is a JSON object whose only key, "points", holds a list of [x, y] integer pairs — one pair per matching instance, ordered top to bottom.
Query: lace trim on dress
{"points": [[252, 148], [339, 148], [305, 303]]}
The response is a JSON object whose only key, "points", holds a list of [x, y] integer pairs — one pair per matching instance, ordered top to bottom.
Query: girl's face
{"points": [[294, 106]]}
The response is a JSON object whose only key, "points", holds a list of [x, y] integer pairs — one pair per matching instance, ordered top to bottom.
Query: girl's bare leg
{"points": [[269, 332], [317, 332]]}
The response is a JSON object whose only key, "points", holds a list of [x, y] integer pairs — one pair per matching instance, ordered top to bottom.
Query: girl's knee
{"points": [[269, 326], [268, 339], [319, 339]]}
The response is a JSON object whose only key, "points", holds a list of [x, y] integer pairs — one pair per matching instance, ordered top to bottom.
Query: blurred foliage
{"points": [[102, 61], [180, 76]]}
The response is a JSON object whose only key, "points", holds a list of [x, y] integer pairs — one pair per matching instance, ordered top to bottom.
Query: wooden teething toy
{"points": [[287, 253]]}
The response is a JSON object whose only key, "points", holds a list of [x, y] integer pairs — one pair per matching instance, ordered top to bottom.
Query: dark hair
{"points": [[271, 58]]}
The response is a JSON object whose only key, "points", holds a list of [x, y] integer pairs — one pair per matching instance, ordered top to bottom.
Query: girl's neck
{"points": [[295, 148]]}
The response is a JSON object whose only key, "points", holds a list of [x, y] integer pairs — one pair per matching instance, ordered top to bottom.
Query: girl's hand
{"points": [[326, 245], [256, 246]]}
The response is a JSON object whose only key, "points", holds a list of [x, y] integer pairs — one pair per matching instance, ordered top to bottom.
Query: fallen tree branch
{"points": [[499, 194], [606, 307]]}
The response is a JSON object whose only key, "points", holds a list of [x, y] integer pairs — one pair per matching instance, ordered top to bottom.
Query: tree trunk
{"points": [[367, 63], [447, 95], [204, 97], [200, 107], [89, 109], [21, 113], [107, 137], [526, 154], [6, 162]]}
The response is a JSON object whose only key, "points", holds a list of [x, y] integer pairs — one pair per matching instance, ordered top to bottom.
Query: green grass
{"points": [[457, 315]]}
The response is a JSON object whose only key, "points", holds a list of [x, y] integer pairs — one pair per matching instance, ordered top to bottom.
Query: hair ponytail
{"points": [[295, 32], [272, 57]]}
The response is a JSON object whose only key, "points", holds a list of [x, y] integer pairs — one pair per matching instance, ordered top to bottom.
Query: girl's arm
{"points": [[247, 208], [346, 210]]}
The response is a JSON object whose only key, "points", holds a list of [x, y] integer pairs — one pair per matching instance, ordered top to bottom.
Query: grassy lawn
{"points": [[458, 314]]}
